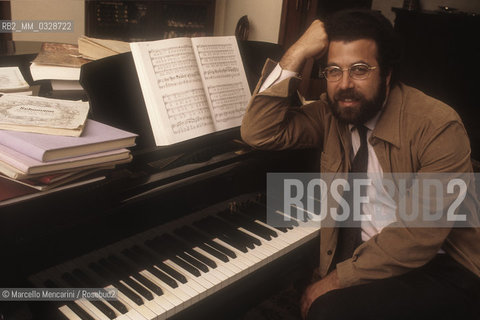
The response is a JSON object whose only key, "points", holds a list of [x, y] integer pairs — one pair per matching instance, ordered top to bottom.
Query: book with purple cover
{"points": [[97, 137], [19, 166]]}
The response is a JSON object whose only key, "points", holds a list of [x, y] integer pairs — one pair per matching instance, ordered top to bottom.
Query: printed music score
{"points": [[218, 61], [173, 66], [191, 87], [228, 101], [187, 110]]}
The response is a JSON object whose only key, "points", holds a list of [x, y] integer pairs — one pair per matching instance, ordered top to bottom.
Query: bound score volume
{"points": [[191, 87]]}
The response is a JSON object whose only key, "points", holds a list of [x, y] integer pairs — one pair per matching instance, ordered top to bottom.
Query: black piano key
{"points": [[259, 211], [246, 214], [259, 214], [248, 224], [234, 228], [192, 232], [215, 232], [230, 232], [233, 233], [196, 241], [160, 247], [189, 250], [183, 252], [138, 258], [194, 262], [209, 262], [121, 263], [162, 266], [187, 267], [98, 269], [89, 282], [74, 283], [133, 284], [78, 310], [82, 314], [60, 316]]}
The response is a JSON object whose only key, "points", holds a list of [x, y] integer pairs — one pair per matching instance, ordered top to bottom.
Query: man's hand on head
{"points": [[312, 44], [317, 289]]}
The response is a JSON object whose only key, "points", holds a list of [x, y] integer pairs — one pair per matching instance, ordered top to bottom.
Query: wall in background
{"points": [[50, 10], [263, 15]]}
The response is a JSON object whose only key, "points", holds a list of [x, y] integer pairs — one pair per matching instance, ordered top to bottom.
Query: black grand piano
{"points": [[180, 232]]}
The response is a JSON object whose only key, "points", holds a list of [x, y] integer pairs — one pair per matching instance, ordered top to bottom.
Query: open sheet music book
{"points": [[191, 87]]}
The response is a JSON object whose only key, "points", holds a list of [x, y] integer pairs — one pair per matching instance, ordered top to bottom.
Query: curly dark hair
{"points": [[354, 24]]}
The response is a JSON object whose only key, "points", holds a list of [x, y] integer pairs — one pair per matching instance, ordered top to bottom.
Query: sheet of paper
{"points": [[224, 78], [11, 79], [177, 92]]}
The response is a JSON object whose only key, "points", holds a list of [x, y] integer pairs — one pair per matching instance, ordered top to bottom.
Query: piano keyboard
{"points": [[160, 272]]}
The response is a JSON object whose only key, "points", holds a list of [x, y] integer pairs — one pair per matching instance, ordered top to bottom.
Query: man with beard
{"points": [[393, 272]]}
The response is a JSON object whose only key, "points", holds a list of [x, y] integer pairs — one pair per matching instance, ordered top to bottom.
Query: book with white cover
{"points": [[57, 61], [50, 72], [11, 79], [191, 86], [42, 115]]}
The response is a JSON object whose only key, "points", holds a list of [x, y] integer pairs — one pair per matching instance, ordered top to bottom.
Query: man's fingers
{"points": [[313, 43]]}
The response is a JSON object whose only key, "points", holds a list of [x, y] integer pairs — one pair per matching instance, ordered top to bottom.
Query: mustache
{"points": [[349, 93]]}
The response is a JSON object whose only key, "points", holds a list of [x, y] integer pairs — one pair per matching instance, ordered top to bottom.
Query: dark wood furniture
{"points": [[149, 20], [441, 58]]}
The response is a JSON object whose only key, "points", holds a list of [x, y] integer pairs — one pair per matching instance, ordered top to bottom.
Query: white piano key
{"points": [[266, 247], [248, 258], [82, 264], [71, 265], [221, 271], [214, 273], [234, 273], [55, 274], [197, 284], [187, 293], [177, 300], [168, 302], [154, 305], [149, 309], [67, 312], [135, 312]]}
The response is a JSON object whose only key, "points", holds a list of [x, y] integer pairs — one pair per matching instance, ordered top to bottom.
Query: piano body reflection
{"points": [[180, 232]]}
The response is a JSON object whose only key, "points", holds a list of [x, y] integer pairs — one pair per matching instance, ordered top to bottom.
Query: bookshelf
{"points": [[149, 20]]}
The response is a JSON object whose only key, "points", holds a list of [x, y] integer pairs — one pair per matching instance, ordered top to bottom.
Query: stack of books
{"points": [[59, 64], [43, 157], [45, 161]]}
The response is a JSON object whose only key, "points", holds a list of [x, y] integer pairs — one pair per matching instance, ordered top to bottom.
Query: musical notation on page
{"points": [[192, 87], [187, 110]]}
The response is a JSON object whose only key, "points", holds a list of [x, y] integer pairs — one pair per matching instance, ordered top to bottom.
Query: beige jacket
{"points": [[415, 133]]}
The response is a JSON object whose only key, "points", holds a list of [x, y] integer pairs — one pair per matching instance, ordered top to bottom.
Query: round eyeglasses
{"points": [[357, 71]]}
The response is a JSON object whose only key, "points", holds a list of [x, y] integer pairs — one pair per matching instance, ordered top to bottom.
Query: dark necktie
{"points": [[360, 161], [351, 237]]}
